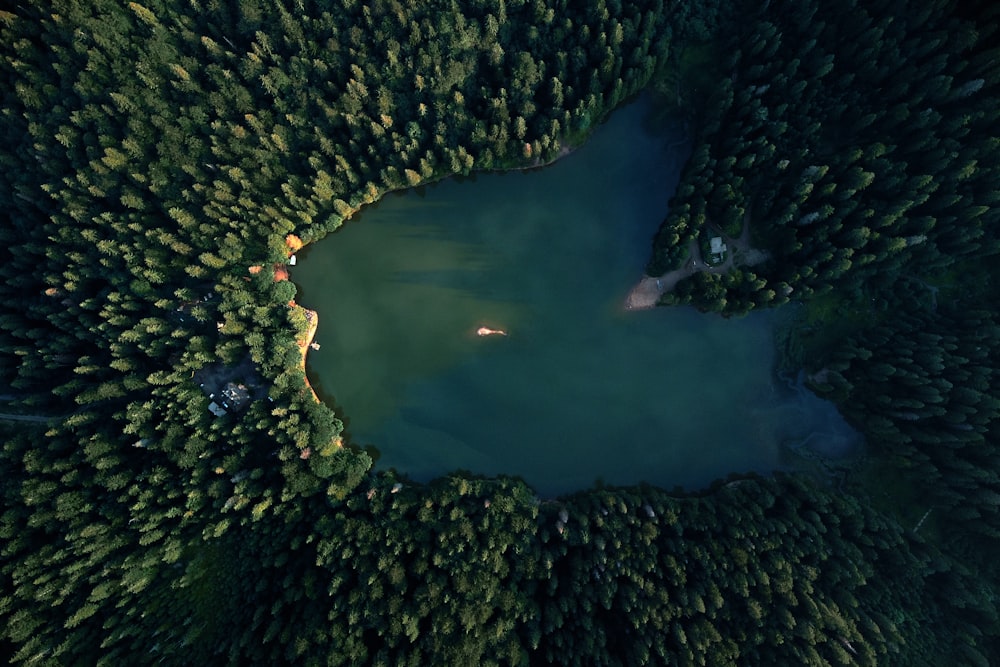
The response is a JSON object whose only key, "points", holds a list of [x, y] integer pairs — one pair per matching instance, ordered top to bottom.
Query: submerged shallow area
{"points": [[580, 390]]}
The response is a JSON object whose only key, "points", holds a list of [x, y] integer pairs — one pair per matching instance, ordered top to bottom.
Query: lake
{"points": [[580, 390]]}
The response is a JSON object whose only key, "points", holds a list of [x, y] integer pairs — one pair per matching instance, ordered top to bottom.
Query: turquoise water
{"points": [[580, 390]]}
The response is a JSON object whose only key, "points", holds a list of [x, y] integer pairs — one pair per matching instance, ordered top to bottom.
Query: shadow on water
{"points": [[580, 392], [815, 431]]}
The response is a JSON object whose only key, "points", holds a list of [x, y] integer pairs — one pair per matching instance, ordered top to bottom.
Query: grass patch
{"points": [[818, 326]]}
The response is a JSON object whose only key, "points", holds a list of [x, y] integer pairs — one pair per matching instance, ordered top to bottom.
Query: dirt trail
{"points": [[30, 418]]}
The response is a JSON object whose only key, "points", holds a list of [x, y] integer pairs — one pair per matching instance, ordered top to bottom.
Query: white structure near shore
{"points": [[718, 248]]}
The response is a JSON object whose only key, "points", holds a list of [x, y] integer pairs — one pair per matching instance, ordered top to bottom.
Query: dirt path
{"points": [[748, 255], [647, 293], [41, 419]]}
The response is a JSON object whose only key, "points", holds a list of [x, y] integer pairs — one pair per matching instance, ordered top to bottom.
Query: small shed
{"points": [[216, 409]]}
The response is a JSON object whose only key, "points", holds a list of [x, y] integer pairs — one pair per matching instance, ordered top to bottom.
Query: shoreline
{"points": [[537, 163], [295, 244], [646, 294], [313, 319]]}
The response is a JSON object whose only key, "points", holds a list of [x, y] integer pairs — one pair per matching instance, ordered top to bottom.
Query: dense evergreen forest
{"points": [[160, 159]]}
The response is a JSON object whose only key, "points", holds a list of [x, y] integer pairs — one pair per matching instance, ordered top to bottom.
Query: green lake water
{"points": [[581, 389]]}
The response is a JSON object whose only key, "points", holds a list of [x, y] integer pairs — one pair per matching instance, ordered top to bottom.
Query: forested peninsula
{"points": [[174, 494]]}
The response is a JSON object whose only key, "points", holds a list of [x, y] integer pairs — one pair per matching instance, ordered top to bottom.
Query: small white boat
{"points": [[486, 331]]}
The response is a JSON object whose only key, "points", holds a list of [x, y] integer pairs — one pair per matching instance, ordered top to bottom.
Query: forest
{"points": [[160, 159]]}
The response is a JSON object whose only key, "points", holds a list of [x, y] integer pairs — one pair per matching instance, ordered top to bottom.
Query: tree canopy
{"points": [[157, 156]]}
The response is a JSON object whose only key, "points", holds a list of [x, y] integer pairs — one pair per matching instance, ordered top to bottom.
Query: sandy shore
{"points": [[647, 293], [306, 341], [304, 344]]}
